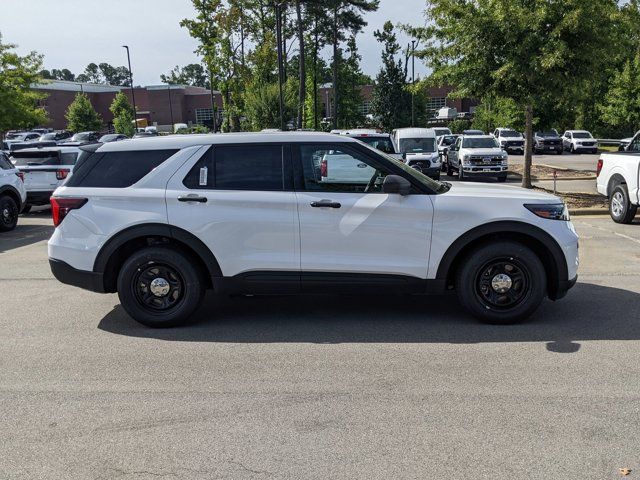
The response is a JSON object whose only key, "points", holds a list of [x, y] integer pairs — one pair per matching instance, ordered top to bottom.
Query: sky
{"points": [[73, 33]]}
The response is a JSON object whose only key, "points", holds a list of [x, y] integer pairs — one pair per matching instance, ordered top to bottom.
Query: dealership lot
{"points": [[320, 387]]}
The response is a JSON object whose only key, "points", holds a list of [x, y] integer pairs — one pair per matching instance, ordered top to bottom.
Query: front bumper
{"points": [[514, 149], [479, 170], [65, 273]]}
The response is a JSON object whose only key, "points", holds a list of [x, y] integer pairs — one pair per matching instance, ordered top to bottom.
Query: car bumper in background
{"points": [[39, 198]]}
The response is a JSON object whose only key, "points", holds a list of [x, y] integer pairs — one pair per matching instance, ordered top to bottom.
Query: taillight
{"points": [[323, 167], [599, 167], [62, 174], [20, 176], [60, 207]]}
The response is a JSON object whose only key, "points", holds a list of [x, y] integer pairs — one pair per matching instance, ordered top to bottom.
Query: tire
{"points": [[572, 149], [559, 152], [449, 169], [460, 174], [436, 176], [502, 178], [620, 207], [26, 209], [8, 213], [501, 265], [179, 287]]}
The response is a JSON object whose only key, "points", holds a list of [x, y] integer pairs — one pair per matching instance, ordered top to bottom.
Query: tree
{"points": [[346, 16], [525, 51], [192, 74], [114, 75], [349, 89], [391, 102], [18, 103], [262, 105], [621, 106], [496, 112], [81, 115], [123, 116]]}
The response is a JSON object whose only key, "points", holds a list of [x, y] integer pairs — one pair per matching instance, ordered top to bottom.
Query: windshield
{"points": [[442, 131], [510, 133], [547, 134], [582, 135], [16, 136], [48, 136], [78, 137], [449, 140], [381, 143], [479, 143], [418, 145], [25, 159], [434, 185]]}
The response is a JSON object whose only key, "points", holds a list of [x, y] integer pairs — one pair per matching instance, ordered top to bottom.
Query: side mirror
{"points": [[404, 156], [396, 184]]}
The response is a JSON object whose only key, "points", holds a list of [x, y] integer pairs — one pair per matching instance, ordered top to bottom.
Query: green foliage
{"points": [[103, 73], [192, 74], [18, 103], [262, 105], [621, 106], [495, 112], [349, 114], [81, 115], [123, 115], [458, 125], [194, 129]]}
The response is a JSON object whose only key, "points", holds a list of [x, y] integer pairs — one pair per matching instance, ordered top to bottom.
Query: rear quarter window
{"points": [[117, 169]]}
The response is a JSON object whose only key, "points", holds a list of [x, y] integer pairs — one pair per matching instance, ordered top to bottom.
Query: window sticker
{"points": [[204, 173]]}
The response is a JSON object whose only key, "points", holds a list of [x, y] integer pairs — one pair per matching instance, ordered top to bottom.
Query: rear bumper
{"points": [[38, 198], [65, 273]]}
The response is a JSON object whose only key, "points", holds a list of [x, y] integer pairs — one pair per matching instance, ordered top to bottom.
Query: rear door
{"points": [[41, 169], [239, 201]]}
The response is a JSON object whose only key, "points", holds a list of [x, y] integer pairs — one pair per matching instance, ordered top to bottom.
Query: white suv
{"points": [[577, 141], [477, 156], [13, 194], [161, 220]]}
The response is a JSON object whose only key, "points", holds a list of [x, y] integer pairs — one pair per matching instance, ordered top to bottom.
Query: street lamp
{"points": [[280, 65], [413, 82], [133, 96], [170, 106]]}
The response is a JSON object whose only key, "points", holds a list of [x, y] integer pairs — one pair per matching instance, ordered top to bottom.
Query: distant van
{"points": [[418, 149]]}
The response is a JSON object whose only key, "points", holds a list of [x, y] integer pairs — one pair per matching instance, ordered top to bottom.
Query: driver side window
{"points": [[634, 146], [333, 168]]}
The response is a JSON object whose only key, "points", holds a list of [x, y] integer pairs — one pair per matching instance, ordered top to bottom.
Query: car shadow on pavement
{"points": [[24, 235], [589, 312]]}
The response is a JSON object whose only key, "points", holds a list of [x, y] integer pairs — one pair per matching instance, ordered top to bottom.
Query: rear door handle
{"points": [[193, 198], [325, 203]]}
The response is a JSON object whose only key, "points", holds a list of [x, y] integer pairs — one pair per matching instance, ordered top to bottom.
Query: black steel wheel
{"points": [[8, 213], [501, 282], [160, 286]]}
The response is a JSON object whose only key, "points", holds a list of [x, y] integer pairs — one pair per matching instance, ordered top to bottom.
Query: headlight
{"points": [[503, 142], [465, 158], [554, 211]]}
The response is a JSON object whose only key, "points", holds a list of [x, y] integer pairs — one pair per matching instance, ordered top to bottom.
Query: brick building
{"points": [[158, 104]]}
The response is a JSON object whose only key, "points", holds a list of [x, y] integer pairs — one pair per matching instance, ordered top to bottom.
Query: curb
{"points": [[588, 211]]}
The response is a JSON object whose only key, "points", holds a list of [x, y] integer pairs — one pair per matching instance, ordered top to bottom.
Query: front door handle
{"points": [[193, 198], [325, 203]]}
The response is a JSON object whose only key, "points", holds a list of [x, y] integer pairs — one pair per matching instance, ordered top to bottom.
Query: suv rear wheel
{"points": [[620, 207], [8, 213], [501, 283], [160, 287]]}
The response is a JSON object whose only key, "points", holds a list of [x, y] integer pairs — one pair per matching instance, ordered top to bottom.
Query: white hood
{"points": [[488, 152], [487, 190]]}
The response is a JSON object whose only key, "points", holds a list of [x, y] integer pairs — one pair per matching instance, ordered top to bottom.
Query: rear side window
{"points": [[68, 158], [24, 159], [5, 164], [239, 167], [117, 169]]}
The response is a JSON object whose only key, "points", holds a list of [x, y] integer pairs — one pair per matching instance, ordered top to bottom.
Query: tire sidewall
{"points": [[7, 202], [628, 212], [475, 261], [192, 285]]}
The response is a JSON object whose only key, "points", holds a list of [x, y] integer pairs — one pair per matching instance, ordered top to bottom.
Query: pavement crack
{"points": [[251, 470]]}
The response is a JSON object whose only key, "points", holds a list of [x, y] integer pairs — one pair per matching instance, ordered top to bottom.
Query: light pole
{"points": [[280, 66], [413, 82], [133, 96], [170, 106]]}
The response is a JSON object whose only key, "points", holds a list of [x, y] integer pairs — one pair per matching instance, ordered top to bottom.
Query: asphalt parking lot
{"points": [[315, 387]]}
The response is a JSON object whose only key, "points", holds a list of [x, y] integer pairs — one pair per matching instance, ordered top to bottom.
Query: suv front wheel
{"points": [[8, 213], [501, 283], [160, 287]]}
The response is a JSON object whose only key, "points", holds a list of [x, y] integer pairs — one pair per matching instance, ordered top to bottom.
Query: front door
{"points": [[348, 226]]}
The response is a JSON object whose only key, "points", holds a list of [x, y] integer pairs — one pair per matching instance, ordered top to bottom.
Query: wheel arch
{"points": [[615, 180], [13, 193], [543, 245], [115, 251]]}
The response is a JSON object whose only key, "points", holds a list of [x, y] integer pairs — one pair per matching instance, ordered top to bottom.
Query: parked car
{"points": [[465, 115], [439, 131], [472, 132], [59, 136], [19, 137], [85, 137], [112, 137], [510, 140], [381, 141], [547, 141], [576, 141], [624, 143], [443, 144], [418, 149], [477, 156], [43, 170], [618, 177], [12, 194], [276, 229]]}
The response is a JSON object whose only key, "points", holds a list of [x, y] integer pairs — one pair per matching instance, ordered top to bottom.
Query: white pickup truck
{"points": [[618, 179]]}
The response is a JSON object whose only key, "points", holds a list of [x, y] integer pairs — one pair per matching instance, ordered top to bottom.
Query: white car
{"points": [[19, 137], [510, 140], [576, 141], [418, 149], [477, 156], [44, 170], [619, 178], [12, 194], [161, 220]]}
